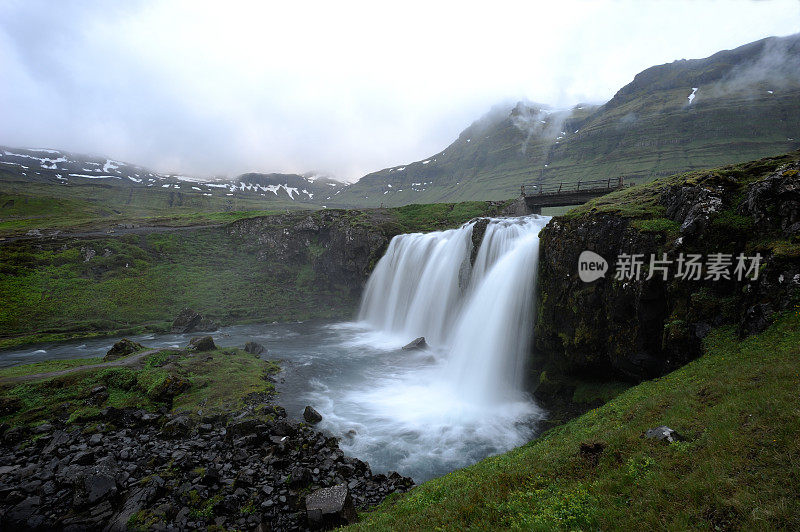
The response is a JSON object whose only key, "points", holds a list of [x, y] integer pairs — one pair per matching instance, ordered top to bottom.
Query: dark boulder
{"points": [[190, 321], [202, 343], [417, 344], [122, 348], [254, 348], [98, 395], [9, 405], [311, 415], [238, 429], [99, 481], [330, 507]]}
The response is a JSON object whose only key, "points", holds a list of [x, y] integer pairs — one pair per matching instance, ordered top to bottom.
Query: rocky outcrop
{"points": [[189, 321], [638, 328]]}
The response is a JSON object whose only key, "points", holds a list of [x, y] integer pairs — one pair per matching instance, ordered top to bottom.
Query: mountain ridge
{"points": [[732, 106]]}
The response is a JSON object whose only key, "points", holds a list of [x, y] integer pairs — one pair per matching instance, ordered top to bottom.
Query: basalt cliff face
{"points": [[337, 248], [641, 328]]}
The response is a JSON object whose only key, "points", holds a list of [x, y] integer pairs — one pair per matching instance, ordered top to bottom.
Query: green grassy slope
{"points": [[738, 469]]}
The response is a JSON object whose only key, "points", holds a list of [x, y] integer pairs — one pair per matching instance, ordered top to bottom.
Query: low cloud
{"points": [[345, 88]]}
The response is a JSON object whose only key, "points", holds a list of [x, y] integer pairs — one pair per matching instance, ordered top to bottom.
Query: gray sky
{"points": [[343, 87]]}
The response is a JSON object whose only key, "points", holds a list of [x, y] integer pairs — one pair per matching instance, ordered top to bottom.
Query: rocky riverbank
{"points": [[169, 440], [132, 469]]}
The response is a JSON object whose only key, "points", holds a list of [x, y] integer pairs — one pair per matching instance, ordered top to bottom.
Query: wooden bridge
{"points": [[563, 194]]}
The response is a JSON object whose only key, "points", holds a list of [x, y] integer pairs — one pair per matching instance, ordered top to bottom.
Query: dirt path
{"points": [[112, 232], [121, 362]]}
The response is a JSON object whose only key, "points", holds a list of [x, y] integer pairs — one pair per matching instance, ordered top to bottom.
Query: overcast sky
{"points": [[341, 87]]}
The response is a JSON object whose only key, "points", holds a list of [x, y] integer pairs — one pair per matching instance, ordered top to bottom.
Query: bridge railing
{"points": [[595, 185]]}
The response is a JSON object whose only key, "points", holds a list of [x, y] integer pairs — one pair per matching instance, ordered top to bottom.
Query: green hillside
{"points": [[747, 106]]}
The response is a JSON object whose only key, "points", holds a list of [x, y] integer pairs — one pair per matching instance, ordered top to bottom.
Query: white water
{"points": [[462, 399]]}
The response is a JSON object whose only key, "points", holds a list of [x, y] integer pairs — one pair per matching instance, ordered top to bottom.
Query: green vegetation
{"points": [[431, 217], [218, 380], [737, 407]]}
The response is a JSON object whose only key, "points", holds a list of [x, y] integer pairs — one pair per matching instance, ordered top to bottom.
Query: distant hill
{"points": [[734, 106], [42, 167]]}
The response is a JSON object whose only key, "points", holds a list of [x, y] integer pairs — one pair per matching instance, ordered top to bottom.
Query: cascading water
{"points": [[425, 286], [462, 400]]}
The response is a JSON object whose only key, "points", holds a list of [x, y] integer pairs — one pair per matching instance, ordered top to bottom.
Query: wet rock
{"points": [[190, 321], [202, 343], [416, 344], [122, 348], [254, 348], [311, 415], [663, 433], [330, 507]]}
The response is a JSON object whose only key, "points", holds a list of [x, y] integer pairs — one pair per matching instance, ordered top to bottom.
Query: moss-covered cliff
{"points": [[640, 328]]}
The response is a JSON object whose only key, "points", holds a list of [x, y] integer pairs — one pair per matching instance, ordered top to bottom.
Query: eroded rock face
{"points": [[774, 202], [340, 250], [638, 329]]}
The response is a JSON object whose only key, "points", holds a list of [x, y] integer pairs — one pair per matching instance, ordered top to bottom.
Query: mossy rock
{"points": [[122, 348], [171, 386]]}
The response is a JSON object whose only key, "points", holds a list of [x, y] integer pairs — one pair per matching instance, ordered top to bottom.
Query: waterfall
{"points": [[480, 316]]}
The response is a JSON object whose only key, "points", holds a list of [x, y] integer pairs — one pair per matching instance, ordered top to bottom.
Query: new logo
{"points": [[591, 266]]}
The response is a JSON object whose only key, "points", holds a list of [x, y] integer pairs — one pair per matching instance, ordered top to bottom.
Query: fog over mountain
{"points": [[344, 88]]}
